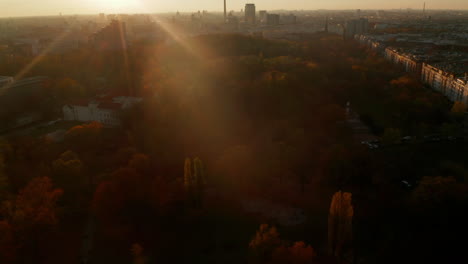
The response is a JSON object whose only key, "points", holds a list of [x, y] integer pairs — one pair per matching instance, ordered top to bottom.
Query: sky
{"points": [[13, 8]]}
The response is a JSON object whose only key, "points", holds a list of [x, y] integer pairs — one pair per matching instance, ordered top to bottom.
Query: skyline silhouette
{"points": [[54, 7]]}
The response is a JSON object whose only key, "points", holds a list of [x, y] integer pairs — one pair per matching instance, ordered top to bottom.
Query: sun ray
{"points": [[36, 60]]}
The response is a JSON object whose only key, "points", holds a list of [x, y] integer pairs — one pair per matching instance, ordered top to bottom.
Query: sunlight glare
{"points": [[114, 5]]}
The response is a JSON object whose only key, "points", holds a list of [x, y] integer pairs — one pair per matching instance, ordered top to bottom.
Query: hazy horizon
{"points": [[18, 8]]}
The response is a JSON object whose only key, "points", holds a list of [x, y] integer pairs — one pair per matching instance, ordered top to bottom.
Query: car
{"points": [[406, 183]]}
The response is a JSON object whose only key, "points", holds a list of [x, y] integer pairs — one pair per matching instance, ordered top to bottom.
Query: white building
{"points": [[454, 87], [102, 109]]}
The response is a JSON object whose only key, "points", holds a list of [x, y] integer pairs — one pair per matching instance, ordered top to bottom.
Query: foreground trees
{"points": [[266, 125], [133, 195], [29, 220], [265, 241], [267, 247], [298, 253]]}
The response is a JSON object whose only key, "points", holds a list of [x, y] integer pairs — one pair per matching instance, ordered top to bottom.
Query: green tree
{"points": [[340, 221]]}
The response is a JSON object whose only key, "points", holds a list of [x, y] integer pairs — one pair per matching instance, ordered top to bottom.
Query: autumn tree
{"points": [[66, 88], [458, 107], [391, 136], [84, 137], [141, 163], [238, 166], [68, 168], [68, 174], [194, 180], [4, 185], [437, 192], [113, 197], [129, 197], [35, 205], [33, 215], [340, 220], [266, 240], [7, 243], [298, 253], [138, 256]]}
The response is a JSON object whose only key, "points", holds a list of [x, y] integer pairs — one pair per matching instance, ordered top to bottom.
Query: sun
{"points": [[114, 5]]}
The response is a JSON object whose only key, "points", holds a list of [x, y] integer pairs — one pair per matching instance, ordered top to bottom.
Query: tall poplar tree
{"points": [[194, 180], [340, 221]]}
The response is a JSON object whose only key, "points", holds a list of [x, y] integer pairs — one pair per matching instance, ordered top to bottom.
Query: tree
{"points": [[66, 88], [458, 107], [391, 136], [84, 137], [141, 163], [238, 165], [68, 166], [68, 174], [188, 174], [194, 180], [200, 180], [4, 185], [437, 192], [115, 196], [35, 205], [33, 216], [340, 223], [265, 241], [7, 243], [137, 252], [298, 253]]}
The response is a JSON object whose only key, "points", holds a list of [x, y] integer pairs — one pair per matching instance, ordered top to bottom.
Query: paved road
{"points": [[361, 131], [88, 239]]}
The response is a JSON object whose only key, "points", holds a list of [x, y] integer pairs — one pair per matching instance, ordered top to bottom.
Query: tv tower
{"points": [[224, 11]]}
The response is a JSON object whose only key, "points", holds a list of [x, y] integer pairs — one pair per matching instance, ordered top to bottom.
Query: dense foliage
{"points": [[235, 132]]}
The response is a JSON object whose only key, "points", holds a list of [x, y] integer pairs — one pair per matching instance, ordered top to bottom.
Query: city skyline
{"points": [[54, 7]]}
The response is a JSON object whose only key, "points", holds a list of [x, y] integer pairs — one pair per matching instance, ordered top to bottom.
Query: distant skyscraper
{"points": [[358, 13], [250, 14], [262, 15], [273, 19], [289, 19], [356, 26]]}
